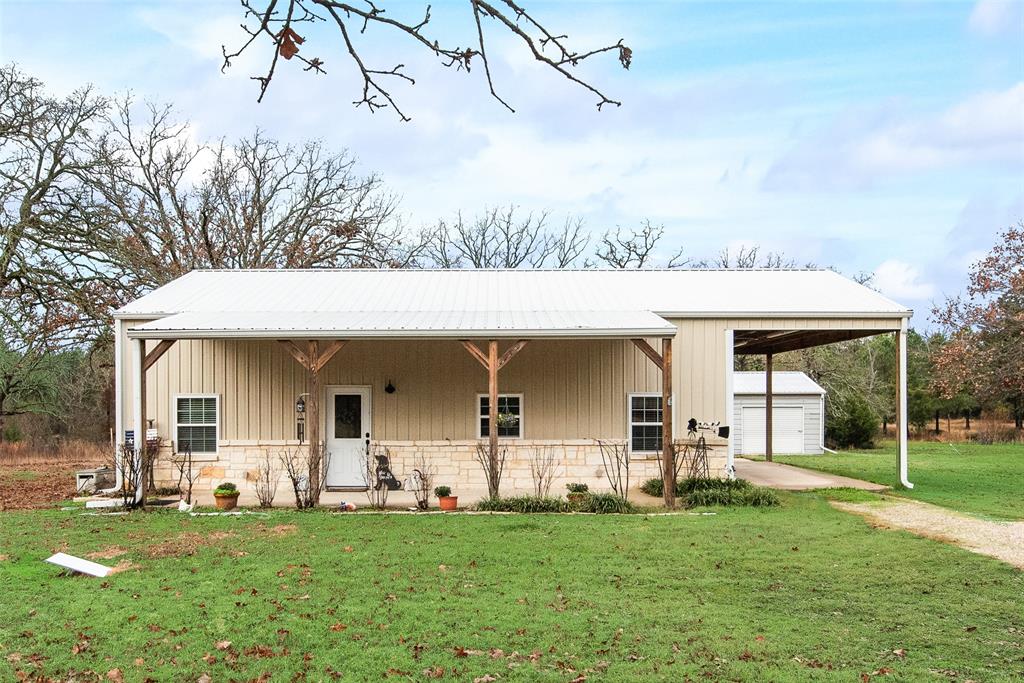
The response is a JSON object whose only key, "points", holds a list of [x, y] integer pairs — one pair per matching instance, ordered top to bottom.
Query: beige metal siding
{"points": [[699, 353], [571, 389]]}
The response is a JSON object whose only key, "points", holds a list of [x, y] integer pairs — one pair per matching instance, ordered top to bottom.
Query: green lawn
{"points": [[985, 480], [801, 592]]}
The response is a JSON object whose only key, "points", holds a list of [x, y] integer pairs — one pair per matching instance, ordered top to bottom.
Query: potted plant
{"points": [[577, 492], [226, 496], [445, 498]]}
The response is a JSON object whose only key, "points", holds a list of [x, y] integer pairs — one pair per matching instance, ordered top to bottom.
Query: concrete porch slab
{"points": [[775, 475]]}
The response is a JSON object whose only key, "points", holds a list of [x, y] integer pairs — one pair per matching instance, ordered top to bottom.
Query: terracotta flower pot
{"points": [[226, 501], [448, 502]]}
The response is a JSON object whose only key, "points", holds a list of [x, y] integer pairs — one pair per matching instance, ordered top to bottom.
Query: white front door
{"points": [[346, 433]]}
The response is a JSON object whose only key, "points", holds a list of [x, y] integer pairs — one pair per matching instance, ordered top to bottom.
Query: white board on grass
{"points": [[77, 564]]}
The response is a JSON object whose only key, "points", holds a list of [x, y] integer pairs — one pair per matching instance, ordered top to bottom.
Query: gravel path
{"points": [[1001, 540]]}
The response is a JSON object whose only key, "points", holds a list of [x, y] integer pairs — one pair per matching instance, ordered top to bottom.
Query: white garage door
{"points": [[788, 428]]}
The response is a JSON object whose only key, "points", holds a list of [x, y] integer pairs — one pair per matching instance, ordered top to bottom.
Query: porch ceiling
{"points": [[406, 324], [760, 342]]}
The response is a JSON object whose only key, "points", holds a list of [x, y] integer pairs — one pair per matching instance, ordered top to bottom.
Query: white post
{"points": [[118, 402], [139, 424], [901, 439], [730, 448]]}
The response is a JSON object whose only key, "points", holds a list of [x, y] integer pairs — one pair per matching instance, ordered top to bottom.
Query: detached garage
{"points": [[798, 411]]}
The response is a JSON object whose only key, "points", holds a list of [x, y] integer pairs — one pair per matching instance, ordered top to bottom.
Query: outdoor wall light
{"points": [[390, 388], [300, 417]]}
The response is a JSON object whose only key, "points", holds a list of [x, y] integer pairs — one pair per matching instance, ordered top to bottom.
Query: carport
{"points": [[767, 337]]}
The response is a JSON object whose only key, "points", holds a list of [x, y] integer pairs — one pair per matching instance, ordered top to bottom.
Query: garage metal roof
{"points": [[462, 303], [791, 383]]}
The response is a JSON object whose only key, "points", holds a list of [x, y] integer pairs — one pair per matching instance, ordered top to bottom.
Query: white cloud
{"points": [[993, 17], [866, 145], [902, 281]]}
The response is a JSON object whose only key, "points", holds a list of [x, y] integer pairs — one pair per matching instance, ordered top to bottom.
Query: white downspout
{"points": [[902, 407], [730, 408], [821, 436]]}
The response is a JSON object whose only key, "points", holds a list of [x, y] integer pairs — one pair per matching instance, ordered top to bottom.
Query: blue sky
{"points": [[883, 137]]}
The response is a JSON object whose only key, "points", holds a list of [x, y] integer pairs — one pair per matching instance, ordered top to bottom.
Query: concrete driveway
{"points": [[778, 476]]}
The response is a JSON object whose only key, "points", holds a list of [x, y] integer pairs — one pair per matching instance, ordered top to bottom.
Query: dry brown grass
{"points": [[61, 452]]}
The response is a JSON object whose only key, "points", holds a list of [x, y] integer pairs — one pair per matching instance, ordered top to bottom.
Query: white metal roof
{"points": [[462, 301], [364, 324], [788, 382]]}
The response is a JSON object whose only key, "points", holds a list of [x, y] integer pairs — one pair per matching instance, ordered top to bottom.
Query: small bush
{"points": [[856, 428], [577, 487], [226, 489], [442, 491], [737, 492], [759, 496], [604, 503], [523, 504]]}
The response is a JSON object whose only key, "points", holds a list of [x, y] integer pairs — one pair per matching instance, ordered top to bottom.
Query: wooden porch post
{"points": [[313, 359], [493, 363], [492, 410], [769, 413], [313, 419], [668, 474]]}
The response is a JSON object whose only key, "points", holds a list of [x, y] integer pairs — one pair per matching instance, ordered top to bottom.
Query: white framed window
{"points": [[510, 415], [196, 422], [645, 423]]}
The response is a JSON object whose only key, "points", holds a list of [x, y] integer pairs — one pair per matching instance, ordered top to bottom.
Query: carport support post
{"points": [[901, 402], [768, 410], [668, 459]]}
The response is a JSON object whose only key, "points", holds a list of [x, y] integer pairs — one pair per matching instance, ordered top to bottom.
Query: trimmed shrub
{"points": [[856, 428], [226, 489], [737, 492], [605, 503], [523, 504]]}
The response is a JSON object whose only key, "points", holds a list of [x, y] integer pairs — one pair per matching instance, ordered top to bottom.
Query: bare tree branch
{"points": [[277, 23]]}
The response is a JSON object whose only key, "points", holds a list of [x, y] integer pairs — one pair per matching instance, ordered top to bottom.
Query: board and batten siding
{"points": [[699, 358], [572, 389], [812, 417]]}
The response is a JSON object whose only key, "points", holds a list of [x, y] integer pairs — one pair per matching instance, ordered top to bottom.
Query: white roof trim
{"points": [[406, 324]]}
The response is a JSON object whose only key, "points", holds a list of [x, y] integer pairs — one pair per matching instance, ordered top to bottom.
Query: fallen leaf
{"points": [[339, 626], [222, 644], [901, 653], [434, 672], [115, 675], [205, 678], [486, 678]]}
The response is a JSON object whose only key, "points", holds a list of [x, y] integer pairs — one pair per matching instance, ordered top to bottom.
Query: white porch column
{"points": [[118, 402], [901, 403], [138, 407]]}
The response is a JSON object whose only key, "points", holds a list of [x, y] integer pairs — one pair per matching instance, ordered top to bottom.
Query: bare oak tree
{"points": [[276, 23], [173, 205], [499, 238], [635, 248]]}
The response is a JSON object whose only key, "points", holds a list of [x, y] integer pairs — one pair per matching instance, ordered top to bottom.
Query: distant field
{"points": [[984, 480]]}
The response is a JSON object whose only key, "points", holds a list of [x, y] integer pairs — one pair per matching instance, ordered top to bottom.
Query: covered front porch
{"points": [[555, 390]]}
